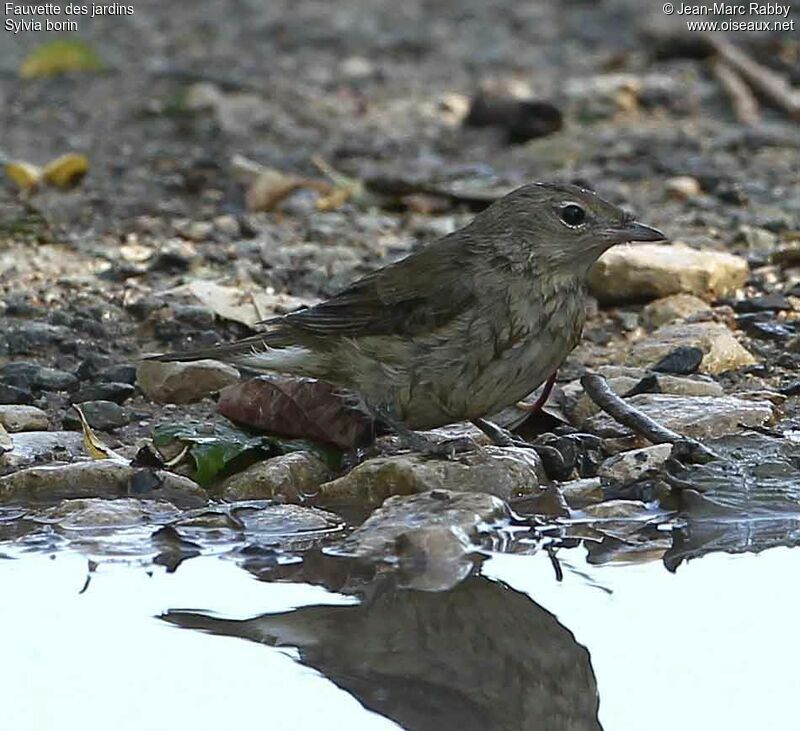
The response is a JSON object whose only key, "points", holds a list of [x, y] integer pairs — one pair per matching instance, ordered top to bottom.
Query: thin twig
{"points": [[764, 80], [745, 105], [598, 390]]}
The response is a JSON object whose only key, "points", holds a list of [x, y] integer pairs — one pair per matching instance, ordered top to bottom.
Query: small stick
{"points": [[764, 80], [745, 105], [598, 390]]}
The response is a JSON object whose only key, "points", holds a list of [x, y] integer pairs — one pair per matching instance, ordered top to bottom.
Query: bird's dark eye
{"points": [[572, 214]]}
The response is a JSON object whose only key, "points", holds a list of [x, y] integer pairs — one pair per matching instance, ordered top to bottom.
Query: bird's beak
{"points": [[635, 231]]}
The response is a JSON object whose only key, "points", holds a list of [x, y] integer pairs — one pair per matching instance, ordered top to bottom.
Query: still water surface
{"points": [[712, 646]]}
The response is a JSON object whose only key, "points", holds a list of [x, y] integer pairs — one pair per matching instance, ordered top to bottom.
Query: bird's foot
{"points": [[447, 448], [552, 459]]}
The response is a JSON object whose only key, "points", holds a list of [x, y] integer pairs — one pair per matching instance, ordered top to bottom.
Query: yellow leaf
{"points": [[60, 57], [66, 171], [23, 174], [94, 445]]}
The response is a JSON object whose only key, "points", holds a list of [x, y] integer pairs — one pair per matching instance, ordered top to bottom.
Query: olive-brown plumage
{"points": [[463, 328]]}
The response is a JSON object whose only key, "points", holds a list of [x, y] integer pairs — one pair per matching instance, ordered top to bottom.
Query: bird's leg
{"points": [[538, 405], [417, 442], [551, 458]]}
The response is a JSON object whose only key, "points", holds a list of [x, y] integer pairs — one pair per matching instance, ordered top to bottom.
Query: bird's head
{"points": [[562, 227]]}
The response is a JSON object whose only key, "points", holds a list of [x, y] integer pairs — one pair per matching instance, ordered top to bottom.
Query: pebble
{"points": [[683, 187], [647, 271], [674, 307], [721, 350], [682, 361], [53, 379], [183, 383], [116, 392], [103, 415], [16, 418], [633, 465], [291, 477]]}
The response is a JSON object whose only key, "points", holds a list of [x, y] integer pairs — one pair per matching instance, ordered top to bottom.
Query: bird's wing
{"points": [[418, 294]]}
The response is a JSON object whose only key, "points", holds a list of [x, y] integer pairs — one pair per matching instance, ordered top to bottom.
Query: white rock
{"points": [[683, 187], [646, 271], [722, 351], [183, 383], [16, 418]]}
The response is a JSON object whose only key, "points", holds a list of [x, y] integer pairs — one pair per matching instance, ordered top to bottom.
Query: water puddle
{"points": [[441, 611]]}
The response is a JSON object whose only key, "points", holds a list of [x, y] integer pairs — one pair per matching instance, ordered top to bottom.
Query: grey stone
{"points": [[104, 415], [579, 493]]}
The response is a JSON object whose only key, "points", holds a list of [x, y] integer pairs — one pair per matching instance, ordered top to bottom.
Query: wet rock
{"points": [[683, 187], [648, 271], [675, 307], [763, 327], [721, 350], [682, 361], [183, 383], [113, 391], [14, 395], [103, 415], [17, 417], [701, 417], [31, 447], [631, 466], [505, 472], [291, 477], [96, 479], [579, 493], [549, 502], [619, 510], [98, 513], [284, 520], [429, 537]]}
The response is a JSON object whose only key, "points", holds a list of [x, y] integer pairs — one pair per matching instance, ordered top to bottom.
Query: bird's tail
{"points": [[255, 352]]}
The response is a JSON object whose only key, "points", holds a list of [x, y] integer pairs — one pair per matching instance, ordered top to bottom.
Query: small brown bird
{"points": [[463, 328]]}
